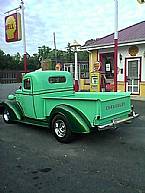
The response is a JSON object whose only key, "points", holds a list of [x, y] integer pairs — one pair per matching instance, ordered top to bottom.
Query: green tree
{"points": [[44, 52], [83, 56], [2, 60], [6, 61], [16, 62], [32, 62]]}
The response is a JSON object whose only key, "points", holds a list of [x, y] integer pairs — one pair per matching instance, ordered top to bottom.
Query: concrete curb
{"points": [[137, 98]]}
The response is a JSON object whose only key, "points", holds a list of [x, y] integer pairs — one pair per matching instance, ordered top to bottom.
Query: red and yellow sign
{"points": [[13, 30], [96, 66]]}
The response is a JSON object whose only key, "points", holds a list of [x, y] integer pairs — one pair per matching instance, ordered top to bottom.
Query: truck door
{"points": [[27, 98]]}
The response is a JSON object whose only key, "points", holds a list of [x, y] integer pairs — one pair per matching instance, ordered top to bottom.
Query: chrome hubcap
{"points": [[6, 116], [60, 128]]}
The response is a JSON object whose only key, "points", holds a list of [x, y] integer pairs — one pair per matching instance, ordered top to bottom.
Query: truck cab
{"points": [[37, 85]]}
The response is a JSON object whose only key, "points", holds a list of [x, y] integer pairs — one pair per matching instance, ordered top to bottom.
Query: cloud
{"points": [[70, 20]]}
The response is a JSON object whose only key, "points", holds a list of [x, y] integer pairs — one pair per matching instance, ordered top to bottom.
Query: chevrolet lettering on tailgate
{"points": [[117, 105]]}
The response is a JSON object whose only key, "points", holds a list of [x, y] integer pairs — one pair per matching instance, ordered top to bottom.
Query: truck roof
{"points": [[44, 80]]}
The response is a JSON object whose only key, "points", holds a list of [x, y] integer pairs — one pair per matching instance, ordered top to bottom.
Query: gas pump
{"points": [[95, 78], [95, 82]]}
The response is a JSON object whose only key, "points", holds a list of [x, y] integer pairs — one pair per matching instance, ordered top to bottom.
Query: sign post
{"points": [[24, 37], [115, 45]]}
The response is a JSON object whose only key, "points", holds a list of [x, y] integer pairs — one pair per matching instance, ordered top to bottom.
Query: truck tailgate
{"points": [[115, 106], [113, 109]]}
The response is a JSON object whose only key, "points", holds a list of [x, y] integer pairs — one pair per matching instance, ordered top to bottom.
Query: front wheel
{"points": [[7, 116], [61, 129]]}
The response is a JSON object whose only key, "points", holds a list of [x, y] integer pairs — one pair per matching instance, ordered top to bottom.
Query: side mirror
{"points": [[20, 87]]}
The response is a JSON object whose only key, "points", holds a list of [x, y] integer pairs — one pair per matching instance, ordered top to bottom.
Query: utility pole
{"points": [[55, 47]]}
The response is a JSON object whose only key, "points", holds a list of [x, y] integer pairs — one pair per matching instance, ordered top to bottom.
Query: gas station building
{"points": [[131, 60]]}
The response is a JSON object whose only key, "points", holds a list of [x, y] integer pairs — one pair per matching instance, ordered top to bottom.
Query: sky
{"points": [[71, 20]]}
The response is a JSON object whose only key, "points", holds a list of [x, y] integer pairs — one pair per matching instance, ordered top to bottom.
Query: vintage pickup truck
{"points": [[47, 98]]}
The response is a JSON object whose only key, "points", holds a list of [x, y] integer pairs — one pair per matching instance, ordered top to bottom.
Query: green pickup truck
{"points": [[47, 98]]}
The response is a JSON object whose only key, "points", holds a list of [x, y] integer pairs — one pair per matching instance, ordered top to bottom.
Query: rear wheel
{"points": [[7, 116], [61, 129]]}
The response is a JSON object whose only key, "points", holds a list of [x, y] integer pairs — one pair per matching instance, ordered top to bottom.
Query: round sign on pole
{"points": [[141, 1], [96, 66]]}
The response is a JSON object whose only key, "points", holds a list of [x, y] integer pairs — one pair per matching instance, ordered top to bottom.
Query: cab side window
{"points": [[57, 79], [27, 84]]}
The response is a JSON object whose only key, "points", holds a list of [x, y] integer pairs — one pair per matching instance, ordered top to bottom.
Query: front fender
{"points": [[15, 108], [77, 120]]}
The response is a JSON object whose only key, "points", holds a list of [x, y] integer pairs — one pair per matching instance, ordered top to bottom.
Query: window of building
{"points": [[84, 71], [57, 79], [27, 84]]}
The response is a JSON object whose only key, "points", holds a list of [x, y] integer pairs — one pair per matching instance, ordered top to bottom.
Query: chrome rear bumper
{"points": [[116, 122]]}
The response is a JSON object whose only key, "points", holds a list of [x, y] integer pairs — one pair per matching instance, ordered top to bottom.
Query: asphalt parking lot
{"points": [[32, 161]]}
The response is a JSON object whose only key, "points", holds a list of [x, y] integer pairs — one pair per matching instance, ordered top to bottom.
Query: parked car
{"points": [[47, 98]]}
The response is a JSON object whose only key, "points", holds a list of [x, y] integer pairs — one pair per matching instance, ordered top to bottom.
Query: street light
{"points": [[75, 46]]}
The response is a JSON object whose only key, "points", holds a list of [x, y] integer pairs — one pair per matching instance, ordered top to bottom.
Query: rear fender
{"points": [[14, 107], [77, 120]]}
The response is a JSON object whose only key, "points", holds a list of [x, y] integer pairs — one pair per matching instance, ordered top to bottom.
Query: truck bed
{"points": [[99, 108]]}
